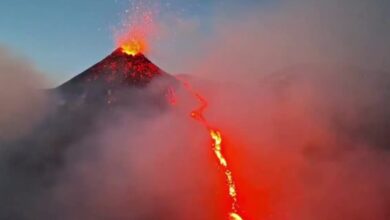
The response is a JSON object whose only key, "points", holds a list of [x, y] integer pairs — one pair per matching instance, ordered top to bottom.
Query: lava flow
{"points": [[132, 41], [216, 137]]}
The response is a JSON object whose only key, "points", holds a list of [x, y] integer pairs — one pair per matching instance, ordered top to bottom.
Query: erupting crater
{"points": [[134, 47], [120, 67], [127, 69], [117, 79]]}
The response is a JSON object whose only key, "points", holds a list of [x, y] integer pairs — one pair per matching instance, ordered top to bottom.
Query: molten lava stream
{"points": [[216, 138]]}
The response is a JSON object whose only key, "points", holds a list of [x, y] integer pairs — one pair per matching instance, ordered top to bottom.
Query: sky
{"points": [[64, 37]]}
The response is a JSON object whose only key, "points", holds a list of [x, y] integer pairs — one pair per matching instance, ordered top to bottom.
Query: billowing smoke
{"points": [[299, 89]]}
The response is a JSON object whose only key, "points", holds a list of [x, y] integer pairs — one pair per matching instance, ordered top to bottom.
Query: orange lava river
{"points": [[217, 147]]}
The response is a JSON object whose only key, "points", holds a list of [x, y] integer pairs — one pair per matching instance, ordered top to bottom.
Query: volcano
{"points": [[116, 69], [113, 79], [120, 83]]}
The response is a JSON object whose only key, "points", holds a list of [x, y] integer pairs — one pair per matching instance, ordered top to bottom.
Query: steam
{"points": [[298, 88]]}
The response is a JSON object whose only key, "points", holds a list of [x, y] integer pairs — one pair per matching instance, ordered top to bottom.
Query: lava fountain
{"points": [[136, 31], [133, 47]]}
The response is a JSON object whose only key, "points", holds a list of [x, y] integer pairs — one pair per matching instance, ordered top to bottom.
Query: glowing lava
{"points": [[136, 31], [134, 46], [216, 137]]}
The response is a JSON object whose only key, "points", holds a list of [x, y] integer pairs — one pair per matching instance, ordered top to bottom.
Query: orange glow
{"points": [[136, 31], [134, 46], [217, 139], [217, 148], [235, 216]]}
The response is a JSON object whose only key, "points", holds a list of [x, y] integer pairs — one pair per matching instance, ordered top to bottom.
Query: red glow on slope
{"points": [[119, 69], [171, 96]]}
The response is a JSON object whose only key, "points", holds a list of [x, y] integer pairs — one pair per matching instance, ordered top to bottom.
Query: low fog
{"points": [[299, 90], [22, 102]]}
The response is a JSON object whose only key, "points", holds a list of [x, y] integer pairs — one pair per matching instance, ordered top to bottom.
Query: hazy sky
{"points": [[64, 37]]}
